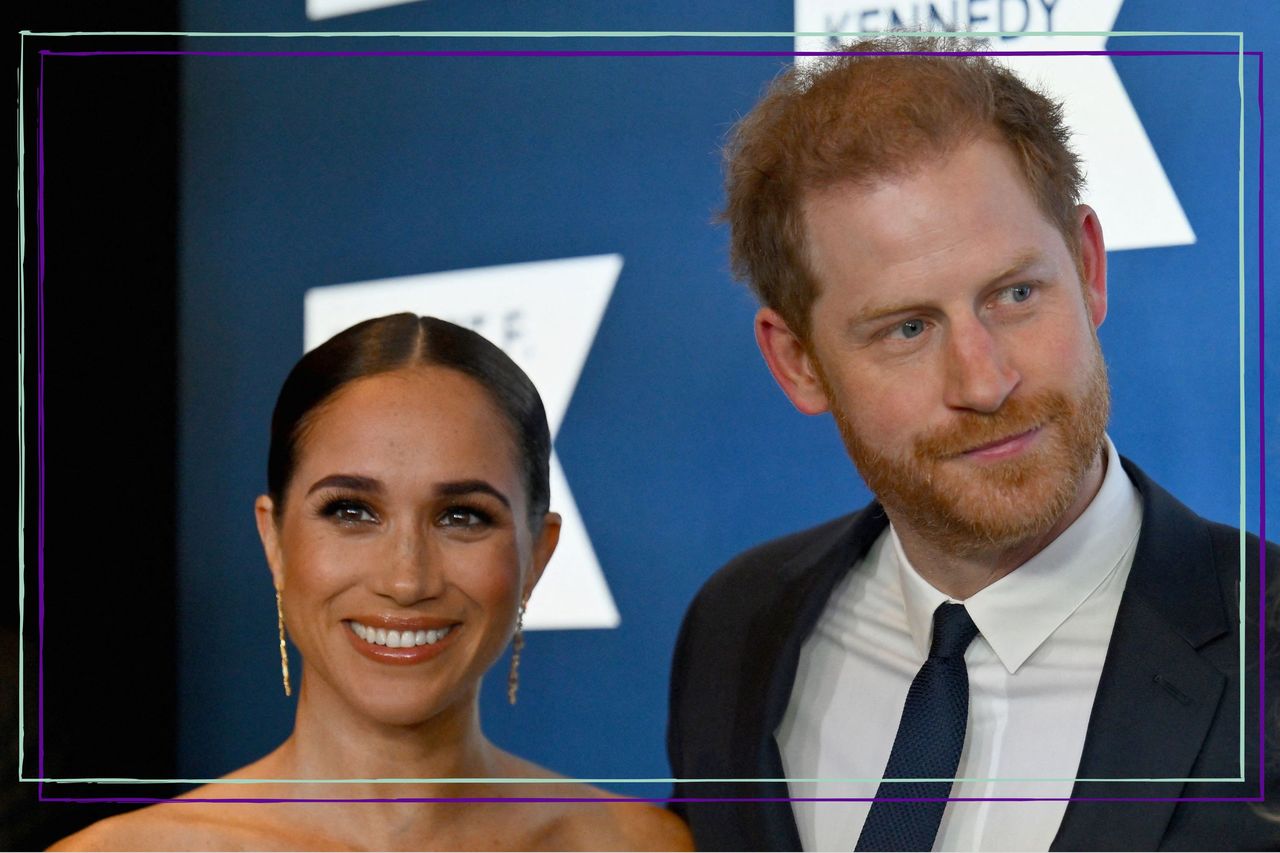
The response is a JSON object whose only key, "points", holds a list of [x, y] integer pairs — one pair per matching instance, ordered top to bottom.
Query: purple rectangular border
{"points": [[40, 362]]}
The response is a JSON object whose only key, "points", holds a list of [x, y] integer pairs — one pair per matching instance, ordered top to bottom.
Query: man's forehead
{"points": [[971, 213]]}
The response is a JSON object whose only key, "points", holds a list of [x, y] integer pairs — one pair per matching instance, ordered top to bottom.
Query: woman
{"points": [[405, 524]]}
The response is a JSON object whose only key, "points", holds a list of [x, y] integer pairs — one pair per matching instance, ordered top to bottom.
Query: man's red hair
{"points": [[861, 117]]}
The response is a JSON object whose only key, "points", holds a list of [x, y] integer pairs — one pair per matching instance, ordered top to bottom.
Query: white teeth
{"points": [[399, 639]]}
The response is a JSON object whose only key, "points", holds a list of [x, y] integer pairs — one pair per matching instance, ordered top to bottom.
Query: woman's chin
{"points": [[407, 712]]}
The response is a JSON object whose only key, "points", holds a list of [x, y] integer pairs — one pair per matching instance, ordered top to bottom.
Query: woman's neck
{"points": [[331, 740]]}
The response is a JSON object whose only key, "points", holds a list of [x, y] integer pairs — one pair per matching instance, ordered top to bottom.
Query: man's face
{"points": [[955, 345]]}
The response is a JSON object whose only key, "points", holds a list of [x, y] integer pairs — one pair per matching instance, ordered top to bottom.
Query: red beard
{"points": [[967, 508]]}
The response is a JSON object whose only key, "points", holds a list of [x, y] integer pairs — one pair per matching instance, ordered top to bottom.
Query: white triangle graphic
{"points": [[318, 10], [1125, 182], [543, 314]]}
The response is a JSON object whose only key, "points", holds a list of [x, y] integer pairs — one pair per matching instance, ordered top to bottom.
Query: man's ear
{"points": [[1093, 262], [790, 362], [264, 515], [543, 548]]}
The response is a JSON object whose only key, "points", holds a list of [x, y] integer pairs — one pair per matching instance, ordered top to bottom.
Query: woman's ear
{"points": [[264, 515], [543, 548]]}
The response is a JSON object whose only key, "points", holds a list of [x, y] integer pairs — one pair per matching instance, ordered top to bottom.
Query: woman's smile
{"points": [[405, 526], [406, 530], [402, 644]]}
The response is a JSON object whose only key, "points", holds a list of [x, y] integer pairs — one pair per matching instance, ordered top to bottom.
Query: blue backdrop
{"points": [[308, 171]]}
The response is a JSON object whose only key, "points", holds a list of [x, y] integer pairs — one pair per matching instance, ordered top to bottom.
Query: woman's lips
{"points": [[1004, 448], [401, 641]]}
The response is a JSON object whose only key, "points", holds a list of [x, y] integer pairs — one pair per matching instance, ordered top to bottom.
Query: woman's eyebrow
{"points": [[355, 482], [456, 488]]}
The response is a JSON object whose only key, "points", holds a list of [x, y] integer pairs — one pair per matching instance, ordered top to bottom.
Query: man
{"points": [[1020, 608]]}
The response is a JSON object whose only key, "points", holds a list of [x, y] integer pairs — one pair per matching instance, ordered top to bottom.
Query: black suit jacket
{"points": [[1167, 706]]}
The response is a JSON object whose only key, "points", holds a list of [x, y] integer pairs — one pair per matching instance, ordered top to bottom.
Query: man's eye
{"points": [[1020, 292], [910, 328], [461, 516]]}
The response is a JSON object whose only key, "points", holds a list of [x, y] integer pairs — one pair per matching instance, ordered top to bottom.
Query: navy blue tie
{"points": [[929, 740]]}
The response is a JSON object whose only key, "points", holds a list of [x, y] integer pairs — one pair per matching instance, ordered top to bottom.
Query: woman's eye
{"points": [[349, 512], [461, 516]]}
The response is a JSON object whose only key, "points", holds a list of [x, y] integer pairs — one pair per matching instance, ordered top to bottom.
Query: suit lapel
{"points": [[778, 635], [1157, 697], [1153, 709]]}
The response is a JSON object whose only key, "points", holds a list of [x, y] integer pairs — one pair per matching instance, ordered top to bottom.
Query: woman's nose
{"points": [[412, 572]]}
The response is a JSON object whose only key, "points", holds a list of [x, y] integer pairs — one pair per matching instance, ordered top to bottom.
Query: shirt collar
{"points": [[1017, 613]]}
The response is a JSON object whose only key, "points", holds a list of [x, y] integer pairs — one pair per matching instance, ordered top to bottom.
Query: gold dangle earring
{"points": [[517, 643], [284, 656]]}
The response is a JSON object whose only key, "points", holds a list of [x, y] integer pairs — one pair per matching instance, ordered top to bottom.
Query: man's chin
{"points": [[997, 481], [968, 509], [997, 525]]}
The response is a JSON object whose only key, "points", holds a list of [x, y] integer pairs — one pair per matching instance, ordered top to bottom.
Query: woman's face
{"points": [[403, 549]]}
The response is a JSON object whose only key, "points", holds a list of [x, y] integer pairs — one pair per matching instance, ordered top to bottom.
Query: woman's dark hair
{"points": [[389, 343]]}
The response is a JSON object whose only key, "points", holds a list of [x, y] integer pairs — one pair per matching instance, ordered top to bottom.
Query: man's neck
{"points": [[962, 575]]}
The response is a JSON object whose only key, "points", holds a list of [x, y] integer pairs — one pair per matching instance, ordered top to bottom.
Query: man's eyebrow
{"points": [[1020, 264], [874, 312], [355, 482], [457, 488]]}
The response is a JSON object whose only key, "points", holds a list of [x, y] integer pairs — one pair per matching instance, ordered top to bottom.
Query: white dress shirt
{"points": [[1033, 671]]}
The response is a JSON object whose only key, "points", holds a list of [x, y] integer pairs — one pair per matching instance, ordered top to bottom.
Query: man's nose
{"points": [[979, 376], [413, 570]]}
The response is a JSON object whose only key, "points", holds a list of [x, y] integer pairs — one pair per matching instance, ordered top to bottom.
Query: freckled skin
{"points": [[934, 239], [950, 314]]}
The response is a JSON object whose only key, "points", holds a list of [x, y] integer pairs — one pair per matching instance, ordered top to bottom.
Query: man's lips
{"points": [[1003, 448]]}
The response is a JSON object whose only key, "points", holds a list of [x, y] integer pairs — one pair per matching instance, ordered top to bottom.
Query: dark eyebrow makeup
{"points": [[347, 481], [453, 488], [458, 488]]}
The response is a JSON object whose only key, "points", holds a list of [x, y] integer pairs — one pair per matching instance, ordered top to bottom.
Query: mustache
{"points": [[972, 430]]}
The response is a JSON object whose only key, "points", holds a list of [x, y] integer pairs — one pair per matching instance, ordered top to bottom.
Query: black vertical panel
{"points": [[105, 355]]}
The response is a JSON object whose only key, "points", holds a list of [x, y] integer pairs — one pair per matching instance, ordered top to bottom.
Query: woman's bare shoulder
{"points": [[600, 819], [184, 823], [615, 823], [165, 826], [644, 826], [114, 833]]}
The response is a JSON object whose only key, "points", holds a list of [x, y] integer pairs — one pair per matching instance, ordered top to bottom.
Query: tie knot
{"points": [[953, 631]]}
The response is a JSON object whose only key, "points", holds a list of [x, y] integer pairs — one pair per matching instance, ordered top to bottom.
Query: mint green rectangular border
{"points": [[23, 112]]}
